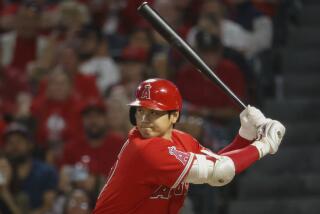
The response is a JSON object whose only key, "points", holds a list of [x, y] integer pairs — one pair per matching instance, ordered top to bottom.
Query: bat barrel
{"points": [[175, 40]]}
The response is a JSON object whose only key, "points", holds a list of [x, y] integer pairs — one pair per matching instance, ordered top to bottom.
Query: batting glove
{"points": [[251, 118], [270, 136]]}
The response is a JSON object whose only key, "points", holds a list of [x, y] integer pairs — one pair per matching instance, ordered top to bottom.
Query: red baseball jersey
{"points": [[148, 175]]}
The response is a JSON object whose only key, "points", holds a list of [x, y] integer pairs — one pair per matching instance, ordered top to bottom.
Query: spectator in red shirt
{"points": [[21, 45], [18, 46], [84, 86], [205, 97], [55, 113], [97, 148]]}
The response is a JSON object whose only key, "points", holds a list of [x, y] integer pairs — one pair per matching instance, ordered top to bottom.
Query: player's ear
{"points": [[174, 116]]}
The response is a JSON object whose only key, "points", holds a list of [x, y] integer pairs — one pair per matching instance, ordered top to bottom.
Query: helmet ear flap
{"points": [[132, 115]]}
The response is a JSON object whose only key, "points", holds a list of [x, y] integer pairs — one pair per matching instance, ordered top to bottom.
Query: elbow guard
{"points": [[216, 171], [223, 171]]}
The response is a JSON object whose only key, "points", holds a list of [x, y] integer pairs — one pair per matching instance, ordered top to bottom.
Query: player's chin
{"points": [[147, 133]]}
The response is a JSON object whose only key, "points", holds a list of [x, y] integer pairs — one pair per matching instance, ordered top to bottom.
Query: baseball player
{"points": [[157, 163]]}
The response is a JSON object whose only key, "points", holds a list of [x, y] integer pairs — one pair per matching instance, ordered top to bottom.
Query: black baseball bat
{"points": [[174, 39]]}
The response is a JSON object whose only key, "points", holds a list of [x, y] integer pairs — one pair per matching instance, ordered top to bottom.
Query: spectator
{"points": [[72, 15], [173, 15], [128, 18], [213, 21], [61, 22], [257, 28], [225, 30], [141, 38], [23, 44], [19, 46], [96, 60], [133, 64], [160, 66], [84, 86], [206, 98], [7, 104], [56, 114], [116, 116], [98, 148], [76, 177], [34, 178], [8, 201], [78, 202]]}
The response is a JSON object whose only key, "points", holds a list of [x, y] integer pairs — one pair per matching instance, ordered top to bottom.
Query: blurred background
{"points": [[69, 68]]}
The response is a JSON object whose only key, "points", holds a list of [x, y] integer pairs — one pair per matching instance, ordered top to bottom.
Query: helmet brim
{"points": [[150, 105]]}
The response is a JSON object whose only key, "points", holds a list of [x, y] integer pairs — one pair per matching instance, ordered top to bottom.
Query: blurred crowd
{"points": [[70, 67]]}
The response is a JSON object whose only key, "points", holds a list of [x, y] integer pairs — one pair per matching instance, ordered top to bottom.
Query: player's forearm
{"points": [[238, 143], [243, 158]]}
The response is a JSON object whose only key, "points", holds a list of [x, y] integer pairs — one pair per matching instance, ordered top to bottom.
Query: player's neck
{"points": [[168, 135]]}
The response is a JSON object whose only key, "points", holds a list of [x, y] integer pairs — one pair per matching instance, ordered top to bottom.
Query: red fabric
{"points": [[267, 8], [9, 9], [129, 18], [25, 51], [136, 54], [13, 81], [85, 87], [200, 91], [7, 106], [55, 120], [2, 128], [238, 143], [241, 152], [101, 158], [243, 158], [147, 175], [143, 178]]}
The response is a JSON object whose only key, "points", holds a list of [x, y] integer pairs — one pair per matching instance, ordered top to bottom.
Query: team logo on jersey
{"points": [[146, 92], [183, 157], [163, 192]]}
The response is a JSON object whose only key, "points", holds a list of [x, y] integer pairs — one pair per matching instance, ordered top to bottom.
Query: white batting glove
{"points": [[251, 118], [270, 137]]}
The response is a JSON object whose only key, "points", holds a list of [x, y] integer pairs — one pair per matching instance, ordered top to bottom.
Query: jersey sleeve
{"points": [[237, 143], [165, 164]]}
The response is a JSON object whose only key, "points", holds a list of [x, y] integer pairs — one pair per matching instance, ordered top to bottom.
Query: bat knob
{"points": [[142, 5]]}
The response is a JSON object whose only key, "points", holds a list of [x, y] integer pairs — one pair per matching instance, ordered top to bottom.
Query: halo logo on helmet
{"points": [[146, 92]]}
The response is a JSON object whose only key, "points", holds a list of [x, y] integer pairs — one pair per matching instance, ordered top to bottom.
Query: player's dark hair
{"points": [[132, 115]]}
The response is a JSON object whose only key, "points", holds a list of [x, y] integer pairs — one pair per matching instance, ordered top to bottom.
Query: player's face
{"points": [[153, 123]]}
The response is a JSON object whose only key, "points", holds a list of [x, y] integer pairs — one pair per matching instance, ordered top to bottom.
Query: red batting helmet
{"points": [[157, 94]]}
